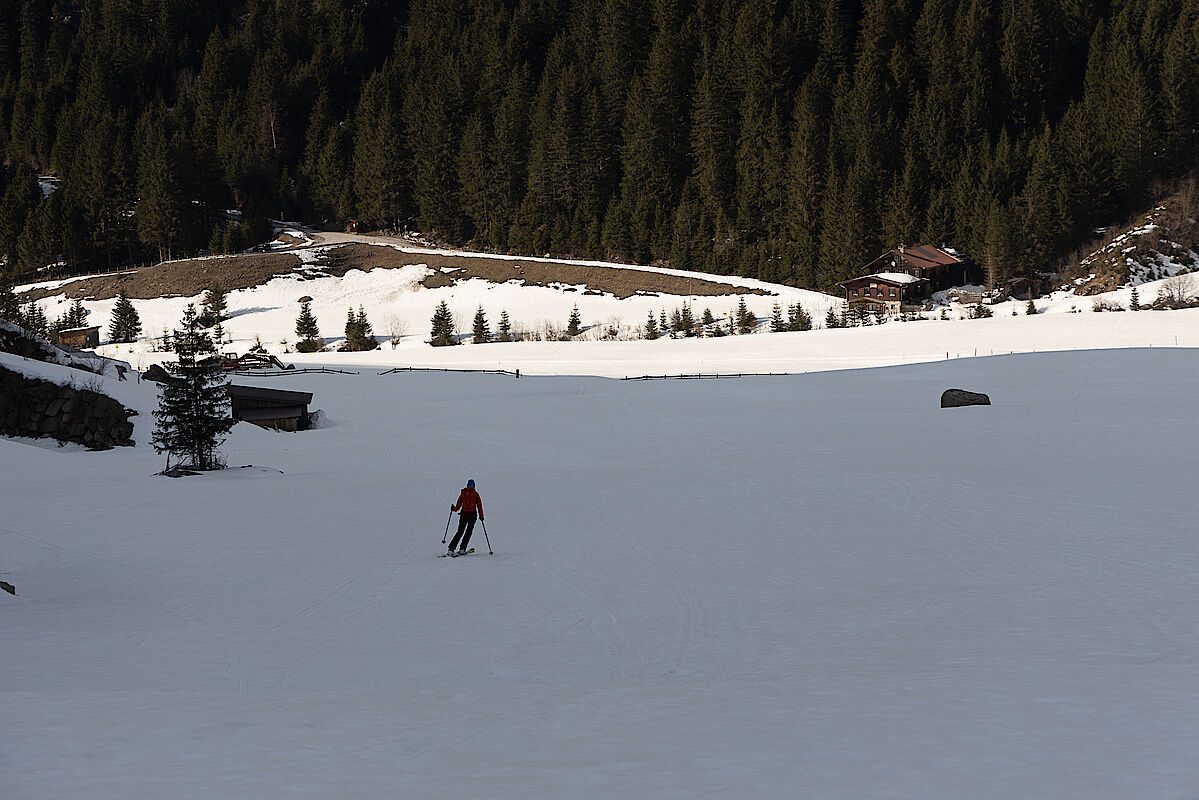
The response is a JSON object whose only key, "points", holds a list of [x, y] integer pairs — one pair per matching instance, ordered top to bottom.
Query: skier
{"points": [[469, 506]]}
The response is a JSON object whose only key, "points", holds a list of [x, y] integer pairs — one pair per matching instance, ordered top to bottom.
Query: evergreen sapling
{"points": [[687, 320], [746, 320], [776, 320], [126, 325], [574, 326], [442, 333], [481, 333], [308, 334], [193, 413]]}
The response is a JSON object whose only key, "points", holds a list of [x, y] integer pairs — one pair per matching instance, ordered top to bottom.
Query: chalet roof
{"points": [[924, 256], [896, 277], [892, 278], [79, 330], [273, 395]]}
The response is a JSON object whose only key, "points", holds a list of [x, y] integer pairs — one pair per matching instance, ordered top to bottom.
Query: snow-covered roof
{"points": [[896, 277]]}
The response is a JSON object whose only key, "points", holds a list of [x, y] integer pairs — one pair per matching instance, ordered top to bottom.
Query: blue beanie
{"points": [[470, 484]]}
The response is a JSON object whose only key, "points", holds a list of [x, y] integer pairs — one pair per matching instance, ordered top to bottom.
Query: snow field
{"points": [[816, 585]]}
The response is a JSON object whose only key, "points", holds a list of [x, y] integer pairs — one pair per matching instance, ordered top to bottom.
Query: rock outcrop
{"points": [[39, 408]]}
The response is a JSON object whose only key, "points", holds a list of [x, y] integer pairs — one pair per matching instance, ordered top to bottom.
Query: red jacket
{"points": [[469, 501]]}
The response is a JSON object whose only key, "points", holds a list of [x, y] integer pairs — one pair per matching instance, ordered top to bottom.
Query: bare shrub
{"points": [[1176, 292], [397, 329], [92, 383]]}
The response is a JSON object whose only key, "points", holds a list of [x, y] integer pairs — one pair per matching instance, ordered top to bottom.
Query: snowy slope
{"points": [[395, 302], [808, 586]]}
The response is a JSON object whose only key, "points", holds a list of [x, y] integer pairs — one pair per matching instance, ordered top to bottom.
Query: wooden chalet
{"points": [[942, 267], [903, 279], [886, 292], [80, 338], [271, 408]]}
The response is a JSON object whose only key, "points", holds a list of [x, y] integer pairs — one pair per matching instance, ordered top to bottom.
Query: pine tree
{"points": [[379, 161], [159, 209], [1134, 302], [214, 304], [10, 308], [1031, 308], [75, 317], [798, 319], [34, 320], [745, 320], [776, 320], [831, 320], [687, 321], [126, 325], [574, 326], [57, 327], [505, 327], [651, 327], [366, 333], [442, 333], [308, 334], [482, 334], [359, 335], [193, 412]]}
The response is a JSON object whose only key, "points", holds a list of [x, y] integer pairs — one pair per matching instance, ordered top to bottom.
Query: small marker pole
{"points": [[447, 526], [490, 552]]}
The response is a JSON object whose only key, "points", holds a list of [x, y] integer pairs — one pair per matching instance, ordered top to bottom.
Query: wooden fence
{"points": [[394, 370], [278, 372], [701, 376]]}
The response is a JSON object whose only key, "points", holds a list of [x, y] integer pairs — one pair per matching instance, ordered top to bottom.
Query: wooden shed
{"points": [[1023, 288], [80, 337], [271, 408]]}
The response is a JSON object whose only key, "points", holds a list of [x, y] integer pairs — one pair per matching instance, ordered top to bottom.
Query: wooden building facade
{"points": [[942, 267], [887, 293], [80, 338], [271, 408]]}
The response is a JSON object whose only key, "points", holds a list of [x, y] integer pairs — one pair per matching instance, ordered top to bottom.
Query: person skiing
{"points": [[469, 507]]}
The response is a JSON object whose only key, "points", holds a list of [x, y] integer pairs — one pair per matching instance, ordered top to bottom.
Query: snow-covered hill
{"points": [[400, 307], [807, 586]]}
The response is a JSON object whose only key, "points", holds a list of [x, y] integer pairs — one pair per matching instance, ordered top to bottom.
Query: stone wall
{"points": [[38, 408]]}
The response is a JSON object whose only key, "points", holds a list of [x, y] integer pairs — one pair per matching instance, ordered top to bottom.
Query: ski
{"points": [[455, 555]]}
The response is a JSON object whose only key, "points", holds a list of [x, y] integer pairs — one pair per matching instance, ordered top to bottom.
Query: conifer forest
{"points": [[788, 140]]}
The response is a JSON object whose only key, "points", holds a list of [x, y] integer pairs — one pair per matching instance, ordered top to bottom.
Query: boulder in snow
{"points": [[157, 374], [953, 398]]}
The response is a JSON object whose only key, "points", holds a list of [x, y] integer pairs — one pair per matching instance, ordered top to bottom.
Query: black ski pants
{"points": [[466, 525]]}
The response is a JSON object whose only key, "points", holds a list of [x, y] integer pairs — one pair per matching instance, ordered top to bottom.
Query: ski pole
{"points": [[447, 526], [490, 552]]}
